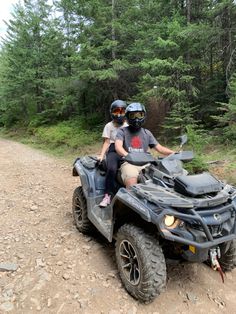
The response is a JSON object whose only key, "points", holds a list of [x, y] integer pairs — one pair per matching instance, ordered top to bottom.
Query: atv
{"points": [[168, 213]]}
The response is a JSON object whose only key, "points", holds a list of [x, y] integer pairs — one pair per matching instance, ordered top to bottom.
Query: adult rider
{"points": [[134, 138]]}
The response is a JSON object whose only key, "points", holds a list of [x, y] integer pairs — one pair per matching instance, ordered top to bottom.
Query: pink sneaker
{"points": [[106, 201]]}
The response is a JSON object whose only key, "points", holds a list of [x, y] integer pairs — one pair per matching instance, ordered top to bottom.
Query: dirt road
{"points": [[47, 266]]}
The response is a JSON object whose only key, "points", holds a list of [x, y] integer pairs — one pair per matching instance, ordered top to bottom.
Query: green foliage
{"points": [[32, 53], [73, 58], [10, 115], [45, 117], [179, 119], [94, 121], [227, 121], [68, 133], [197, 140], [197, 165]]}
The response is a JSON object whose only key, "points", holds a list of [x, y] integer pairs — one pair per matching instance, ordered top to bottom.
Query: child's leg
{"points": [[112, 160]]}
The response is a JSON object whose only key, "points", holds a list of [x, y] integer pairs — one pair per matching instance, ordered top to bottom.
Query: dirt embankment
{"points": [[46, 266]]}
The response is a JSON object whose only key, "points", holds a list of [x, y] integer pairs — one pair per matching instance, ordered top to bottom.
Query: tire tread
{"points": [[84, 226], [153, 279]]}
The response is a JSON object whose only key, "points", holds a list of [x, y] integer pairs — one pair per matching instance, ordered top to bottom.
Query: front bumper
{"points": [[202, 229]]}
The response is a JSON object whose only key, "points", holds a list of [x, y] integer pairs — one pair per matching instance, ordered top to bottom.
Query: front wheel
{"points": [[79, 210], [228, 259], [140, 262]]}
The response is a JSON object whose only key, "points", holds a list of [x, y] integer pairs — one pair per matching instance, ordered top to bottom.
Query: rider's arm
{"points": [[105, 146], [119, 148], [163, 150]]}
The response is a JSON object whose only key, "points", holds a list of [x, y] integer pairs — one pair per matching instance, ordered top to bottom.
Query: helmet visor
{"points": [[118, 111], [137, 115]]}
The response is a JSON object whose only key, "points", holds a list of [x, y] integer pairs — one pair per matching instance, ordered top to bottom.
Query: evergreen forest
{"points": [[63, 62]]}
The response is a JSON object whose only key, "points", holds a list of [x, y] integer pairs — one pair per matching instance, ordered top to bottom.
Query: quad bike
{"points": [[169, 212]]}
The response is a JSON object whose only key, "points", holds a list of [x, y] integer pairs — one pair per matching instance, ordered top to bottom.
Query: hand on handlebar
{"points": [[100, 158]]}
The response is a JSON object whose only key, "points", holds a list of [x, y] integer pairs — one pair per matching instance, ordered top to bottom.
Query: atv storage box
{"points": [[196, 185]]}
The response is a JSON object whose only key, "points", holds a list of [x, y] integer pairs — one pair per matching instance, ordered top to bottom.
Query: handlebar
{"points": [[183, 156], [140, 159]]}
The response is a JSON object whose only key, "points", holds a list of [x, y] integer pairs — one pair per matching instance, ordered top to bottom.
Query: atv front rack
{"points": [[200, 227]]}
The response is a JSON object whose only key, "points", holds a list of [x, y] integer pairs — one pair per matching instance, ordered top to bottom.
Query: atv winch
{"points": [[214, 256]]}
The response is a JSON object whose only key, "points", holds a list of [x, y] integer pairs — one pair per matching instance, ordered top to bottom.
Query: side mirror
{"points": [[183, 139]]}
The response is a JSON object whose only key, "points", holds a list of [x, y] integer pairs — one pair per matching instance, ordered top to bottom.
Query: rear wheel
{"points": [[79, 210], [228, 260], [140, 262]]}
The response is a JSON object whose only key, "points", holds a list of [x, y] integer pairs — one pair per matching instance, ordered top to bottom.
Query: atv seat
{"points": [[196, 185]]}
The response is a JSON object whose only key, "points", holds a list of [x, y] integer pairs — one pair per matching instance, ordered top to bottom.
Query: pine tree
{"points": [[177, 55], [32, 56], [227, 120]]}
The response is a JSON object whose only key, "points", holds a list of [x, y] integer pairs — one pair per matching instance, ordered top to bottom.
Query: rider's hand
{"points": [[100, 158]]}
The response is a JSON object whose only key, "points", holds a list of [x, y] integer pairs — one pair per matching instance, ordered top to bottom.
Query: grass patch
{"points": [[68, 133], [66, 139], [222, 159]]}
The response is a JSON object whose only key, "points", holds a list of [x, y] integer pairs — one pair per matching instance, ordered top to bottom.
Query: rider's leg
{"points": [[112, 160], [129, 174], [131, 181]]}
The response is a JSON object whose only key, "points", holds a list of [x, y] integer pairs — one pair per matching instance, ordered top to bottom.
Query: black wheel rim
{"points": [[78, 209], [129, 262]]}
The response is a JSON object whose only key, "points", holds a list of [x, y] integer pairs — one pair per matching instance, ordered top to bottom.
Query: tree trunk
{"points": [[188, 9], [113, 35]]}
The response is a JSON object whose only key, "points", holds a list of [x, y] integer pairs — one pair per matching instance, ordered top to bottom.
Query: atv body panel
{"points": [[203, 206]]}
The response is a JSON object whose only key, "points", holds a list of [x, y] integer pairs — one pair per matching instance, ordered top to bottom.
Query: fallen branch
{"points": [[216, 162]]}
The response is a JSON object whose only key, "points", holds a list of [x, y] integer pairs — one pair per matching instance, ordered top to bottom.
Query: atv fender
{"points": [[74, 170], [78, 171], [133, 202]]}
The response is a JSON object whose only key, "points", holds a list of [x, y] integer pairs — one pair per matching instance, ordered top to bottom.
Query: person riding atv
{"points": [[134, 138], [168, 212]]}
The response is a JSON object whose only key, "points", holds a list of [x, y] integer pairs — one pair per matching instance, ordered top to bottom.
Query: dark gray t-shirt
{"points": [[137, 141]]}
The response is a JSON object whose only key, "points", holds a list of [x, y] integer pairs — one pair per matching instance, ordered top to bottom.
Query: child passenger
{"points": [[117, 111]]}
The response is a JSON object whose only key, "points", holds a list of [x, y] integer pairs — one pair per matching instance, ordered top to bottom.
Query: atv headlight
{"points": [[171, 221]]}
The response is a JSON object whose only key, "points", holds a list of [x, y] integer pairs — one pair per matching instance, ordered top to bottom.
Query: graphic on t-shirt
{"points": [[136, 144]]}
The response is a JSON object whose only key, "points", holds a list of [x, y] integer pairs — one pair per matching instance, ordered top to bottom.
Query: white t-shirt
{"points": [[110, 130]]}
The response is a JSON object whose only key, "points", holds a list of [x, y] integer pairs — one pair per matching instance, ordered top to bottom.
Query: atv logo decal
{"points": [[217, 217]]}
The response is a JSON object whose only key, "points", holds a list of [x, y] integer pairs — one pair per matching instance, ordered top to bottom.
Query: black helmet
{"points": [[117, 111], [135, 114]]}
